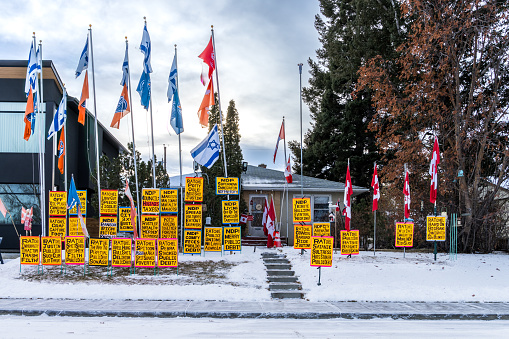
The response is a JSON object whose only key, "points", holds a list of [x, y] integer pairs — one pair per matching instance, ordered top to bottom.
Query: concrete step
{"points": [[273, 255], [276, 261], [278, 266], [280, 273], [282, 279], [284, 286], [285, 294]]}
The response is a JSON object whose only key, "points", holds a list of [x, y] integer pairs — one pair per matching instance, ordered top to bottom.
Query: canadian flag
{"points": [[433, 171], [288, 172], [376, 190], [406, 193], [347, 198], [264, 216], [243, 218], [271, 224]]}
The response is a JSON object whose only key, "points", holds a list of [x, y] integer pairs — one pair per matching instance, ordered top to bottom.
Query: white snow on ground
{"points": [[384, 277]]}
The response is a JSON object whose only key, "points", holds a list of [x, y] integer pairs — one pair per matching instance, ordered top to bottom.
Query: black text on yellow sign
{"points": [[227, 186], [194, 189], [83, 200], [150, 200], [169, 201], [109, 202], [57, 203], [301, 210], [230, 211], [193, 216], [124, 219], [149, 226], [169, 226], [57, 227], [75, 227], [108, 227], [435, 228], [321, 229], [404, 235], [302, 236], [213, 239], [232, 239], [192, 242], [349, 242], [29, 250], [51, 250], [75, 250], [321, 251], [98, 252], [121, 252], [167, 252], [145, 253]]}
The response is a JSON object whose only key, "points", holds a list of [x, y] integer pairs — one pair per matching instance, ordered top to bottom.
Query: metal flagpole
{"points": [[219, 100], [96, 129], [132, 130], [152, 130], [42, 144], [65, 147], [301, 159], [180, 168], [286, 184], [374, 224]]}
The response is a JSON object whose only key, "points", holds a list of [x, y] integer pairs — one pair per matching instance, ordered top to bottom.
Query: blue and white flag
{"points": [[146, 48], [83, 63], [32, 69], [125, 69], [172, 79], [144, 89], [176, 115], [59, 117], [207, 151]]}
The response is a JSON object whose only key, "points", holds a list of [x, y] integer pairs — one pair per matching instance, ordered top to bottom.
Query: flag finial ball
{"points": [[90, 25], [211, 26], [126, 38]]}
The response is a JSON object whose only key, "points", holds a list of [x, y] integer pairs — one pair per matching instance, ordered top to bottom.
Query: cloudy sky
{"points": [[258, 46]]}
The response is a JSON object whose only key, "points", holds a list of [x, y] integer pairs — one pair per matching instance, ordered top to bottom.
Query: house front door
{"points": [[256, 204]]}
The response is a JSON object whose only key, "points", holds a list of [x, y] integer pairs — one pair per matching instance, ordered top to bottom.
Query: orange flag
{"points": [[83, 100], [206, 105], [122, 108], [29, 115], [61, 151]]}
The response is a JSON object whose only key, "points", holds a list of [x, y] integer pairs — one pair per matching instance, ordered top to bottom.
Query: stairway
{"points": [[257, 241], [283, 283]]}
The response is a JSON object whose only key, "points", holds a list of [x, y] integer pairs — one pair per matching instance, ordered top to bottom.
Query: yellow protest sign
{"points": [[227, 186], [194, 189], [83, 200], [150, 200], [169, 200], [109, 202], [57, 203], [301, 210], [231, 213], [193, 216], [124, 219], [149, 226], [169, 226], [57, 227], [75, 227], [107, 227], [435, 228], [321, 229], [404, 235], [302, 236], [213, 239], [232, 239], [192, 241], [349, 242], [29, 250], [51, 250], [75, 250], [321, 251], [98, 252], [121, 252], [167, 252], [145, 253]]}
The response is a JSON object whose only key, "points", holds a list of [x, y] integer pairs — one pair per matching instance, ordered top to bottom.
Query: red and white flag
{"points": [[209, 57], [206, 105], [279, 137], [433, 171], [288, 172], [376, 190], [406, 193], [347, 198], [2, 208], [133, 209], [23, 214], [264, 216], [243, 218], [28, 219], [271, 224]]}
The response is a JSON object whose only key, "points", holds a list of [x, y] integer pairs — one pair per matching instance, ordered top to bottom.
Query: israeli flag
{"points": [[146, 48], [83, 63], [32, 68], [172, 79], [144, 89], [176, 115], [59, 117], [207, 151]]}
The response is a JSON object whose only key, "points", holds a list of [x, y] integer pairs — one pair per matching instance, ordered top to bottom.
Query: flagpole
{"points": [[219, 100], [96, 128], [132, 130], [65, 144], [42, 149], [301, 158], [180, 168], [286, 184], [374, 224]]}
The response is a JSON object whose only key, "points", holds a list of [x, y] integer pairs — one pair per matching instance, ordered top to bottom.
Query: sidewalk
{"points": [[296, 309]]}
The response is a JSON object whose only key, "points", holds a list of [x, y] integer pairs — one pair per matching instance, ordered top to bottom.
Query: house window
{"points": [[320, 208]]}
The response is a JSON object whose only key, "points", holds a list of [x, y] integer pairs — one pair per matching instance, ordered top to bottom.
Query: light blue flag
{"points": [[146, 48], [83, 63], [172, 79], [144, 89], [176, 114], [59, 117], [207, 151], [73, 199]]}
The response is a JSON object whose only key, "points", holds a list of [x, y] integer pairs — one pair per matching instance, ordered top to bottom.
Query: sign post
{"points": [[321, 253]]}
